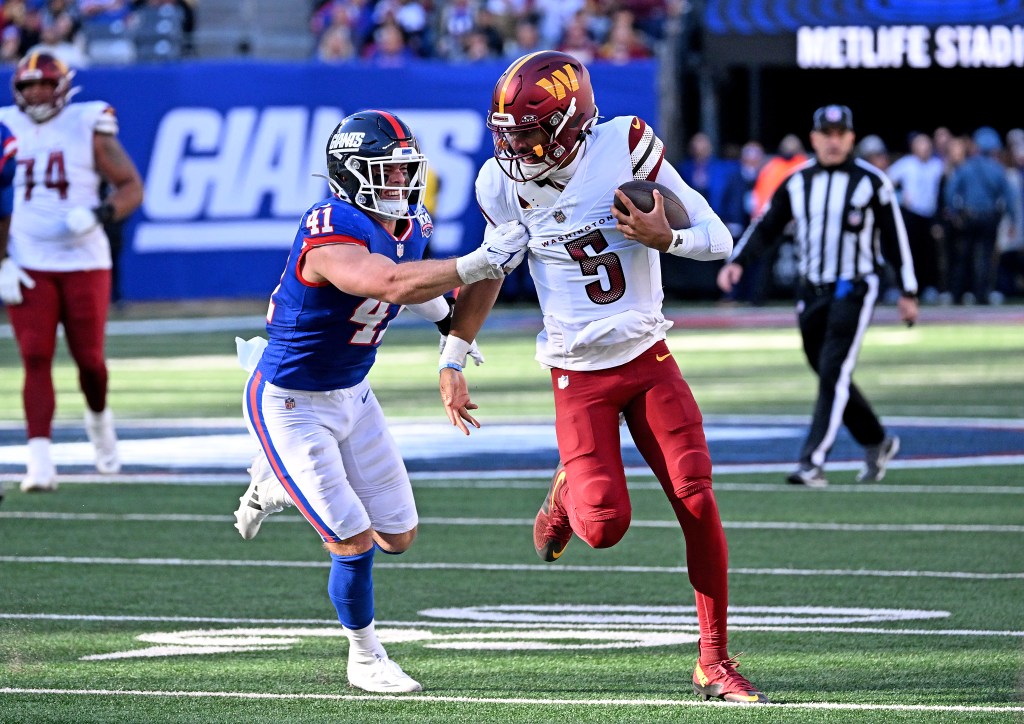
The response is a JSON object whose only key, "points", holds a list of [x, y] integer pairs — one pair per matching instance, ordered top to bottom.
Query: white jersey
{"points": [[56, 173], [600, 293]]}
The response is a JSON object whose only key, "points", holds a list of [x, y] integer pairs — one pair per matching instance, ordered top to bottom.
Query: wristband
{"points": [[104, 213], [682, 242], [455, 351], [450, 366]]}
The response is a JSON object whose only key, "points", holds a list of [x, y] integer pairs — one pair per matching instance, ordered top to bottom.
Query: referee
{"points": [[847, 225]]}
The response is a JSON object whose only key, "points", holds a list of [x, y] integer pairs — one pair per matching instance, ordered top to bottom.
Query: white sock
{"points": [[39, 453], [363, 645]]}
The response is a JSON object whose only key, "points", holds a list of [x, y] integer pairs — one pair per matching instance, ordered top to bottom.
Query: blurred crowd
{"points": [[393, 31], [82, 32], [961, 197]]}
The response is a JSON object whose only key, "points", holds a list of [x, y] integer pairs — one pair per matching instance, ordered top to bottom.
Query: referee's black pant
{"points": [[833, 320]]}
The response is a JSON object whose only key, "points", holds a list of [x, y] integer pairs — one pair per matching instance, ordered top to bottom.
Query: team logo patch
{"points": [[559, 216], [426, 224], [563, 382], [289, 403]]}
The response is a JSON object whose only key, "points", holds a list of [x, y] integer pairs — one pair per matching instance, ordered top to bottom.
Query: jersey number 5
{"points": [[592, 266]]}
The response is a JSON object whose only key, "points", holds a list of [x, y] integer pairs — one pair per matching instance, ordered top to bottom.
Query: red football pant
{"points": [[79, 300], [668, 430]]}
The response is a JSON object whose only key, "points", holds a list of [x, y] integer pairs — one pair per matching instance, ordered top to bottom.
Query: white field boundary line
{"points": [[533, 479], [525, 522], [508, 567], [525, 626], [421, 698]]}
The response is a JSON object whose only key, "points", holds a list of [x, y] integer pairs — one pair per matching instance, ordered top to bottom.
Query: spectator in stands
{"points": [[103, 11], [356, 15], [650, 15], [555, 16], [412, 17], [455, 21], [21, 29], [58, 30], [526, 39], [576, 41], [625, 43], [336, 44], [389, 48], [873, 150], [954, 154], [790, 155], [705, 172], [916, 177], [977, 196], [736, 212], [1010, 239]]}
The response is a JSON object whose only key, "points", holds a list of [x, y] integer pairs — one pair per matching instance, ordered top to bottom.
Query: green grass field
{"points": [[900, 602]]}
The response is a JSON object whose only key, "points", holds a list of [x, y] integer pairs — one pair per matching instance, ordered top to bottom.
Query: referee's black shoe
{"points": [[876, 459], [810, 476]]}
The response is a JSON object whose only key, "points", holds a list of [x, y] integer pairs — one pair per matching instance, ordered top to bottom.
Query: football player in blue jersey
{"points": [[356, 260]]}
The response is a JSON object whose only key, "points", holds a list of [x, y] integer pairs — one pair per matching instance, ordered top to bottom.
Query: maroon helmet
{"points": [[42, 66], [549, 91]]}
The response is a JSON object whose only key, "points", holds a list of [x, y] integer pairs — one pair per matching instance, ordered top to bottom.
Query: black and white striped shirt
{"points": [[847, 224]]}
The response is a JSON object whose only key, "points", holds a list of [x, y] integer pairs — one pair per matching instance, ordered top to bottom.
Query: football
{"points": [[639, 192]]}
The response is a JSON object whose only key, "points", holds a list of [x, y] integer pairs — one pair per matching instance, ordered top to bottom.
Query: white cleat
{"points": [[99, 427], [41, 476], [265, 495], [383, 675]]}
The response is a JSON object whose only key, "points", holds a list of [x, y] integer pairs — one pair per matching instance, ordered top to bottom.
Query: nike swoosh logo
{"points": [[636, 123], [662, 357], [365, 395]]}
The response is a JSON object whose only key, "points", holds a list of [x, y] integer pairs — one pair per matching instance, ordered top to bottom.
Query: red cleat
{"points": [[551, 529], [721, 681]]}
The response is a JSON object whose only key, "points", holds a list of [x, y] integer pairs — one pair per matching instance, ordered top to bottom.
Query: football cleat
{"points": [[99, 427], [876, 458], [41, 475], [807, 475], [265, 495], [551, 529], [382, 675], [721, 681]]}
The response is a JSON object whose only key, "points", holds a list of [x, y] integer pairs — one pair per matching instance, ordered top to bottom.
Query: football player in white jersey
{"points": [[57, 243], [598, 277]]}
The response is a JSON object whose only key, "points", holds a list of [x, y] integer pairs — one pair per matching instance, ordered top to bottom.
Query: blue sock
{"points": [[350, 587]]}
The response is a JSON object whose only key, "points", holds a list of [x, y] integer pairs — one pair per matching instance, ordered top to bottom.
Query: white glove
{"points": [[81, 220], [504, 249], [12, 277], [472, 351], [249, 352]]}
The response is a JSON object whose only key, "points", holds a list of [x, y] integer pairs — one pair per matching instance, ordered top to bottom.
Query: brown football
{"points": [[639, 192]]}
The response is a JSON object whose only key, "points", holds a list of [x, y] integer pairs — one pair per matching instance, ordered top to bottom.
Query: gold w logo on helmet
{"points": [[561, 82]]}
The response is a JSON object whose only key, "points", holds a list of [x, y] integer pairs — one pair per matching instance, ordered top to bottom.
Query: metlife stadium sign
{"points": [[867, 33], [911, 46]]}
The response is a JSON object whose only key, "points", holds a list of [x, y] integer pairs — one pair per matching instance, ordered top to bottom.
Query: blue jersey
{"points": [[8, 148], [321, 338]]}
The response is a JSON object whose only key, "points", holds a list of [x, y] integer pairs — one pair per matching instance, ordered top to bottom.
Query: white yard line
{"points": [[526, 522], [532, 567], [420, 698]]}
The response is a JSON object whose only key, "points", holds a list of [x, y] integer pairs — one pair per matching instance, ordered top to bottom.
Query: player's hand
{"points": [[81, 220], [650, 229], [505, 245], [503, 249], [729, 276], [12, 278], [908, 310], [455, 397]]}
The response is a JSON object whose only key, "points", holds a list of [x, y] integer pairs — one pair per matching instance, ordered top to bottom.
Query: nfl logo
{"points": [[559, 216], [401, 250], [563, 382], [289, 403]]}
